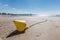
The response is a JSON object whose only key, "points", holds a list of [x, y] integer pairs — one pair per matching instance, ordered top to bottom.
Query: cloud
{"points": [[0, 3], [5, 4], [6, 8], [13, 8]]}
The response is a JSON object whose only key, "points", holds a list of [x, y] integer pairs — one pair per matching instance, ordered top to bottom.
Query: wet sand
{"points": [[47, 28]]}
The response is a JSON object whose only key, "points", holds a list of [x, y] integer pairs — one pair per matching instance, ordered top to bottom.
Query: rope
{"points": [[36, 24]]}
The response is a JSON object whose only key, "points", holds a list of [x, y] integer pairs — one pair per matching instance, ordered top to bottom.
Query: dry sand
{"points": [[47, 30]]}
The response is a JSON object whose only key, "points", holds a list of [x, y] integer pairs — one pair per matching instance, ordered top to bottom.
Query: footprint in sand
{"points": [[38, 35], [0, 39]]}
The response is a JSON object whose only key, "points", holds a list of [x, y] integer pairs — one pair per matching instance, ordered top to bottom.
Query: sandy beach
{"points": [[48, 29]]}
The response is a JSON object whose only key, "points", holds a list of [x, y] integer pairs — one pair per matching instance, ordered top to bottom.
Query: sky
{"points": [[30, 6]]}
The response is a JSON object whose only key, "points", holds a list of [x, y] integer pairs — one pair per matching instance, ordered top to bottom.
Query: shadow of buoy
{"points": [[16, 32]]}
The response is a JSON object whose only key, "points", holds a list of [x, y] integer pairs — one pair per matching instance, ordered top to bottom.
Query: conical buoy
{"points": [[20, 25]]}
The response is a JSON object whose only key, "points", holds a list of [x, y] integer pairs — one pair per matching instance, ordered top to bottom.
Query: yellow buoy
{"points": [[20, 25]]}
